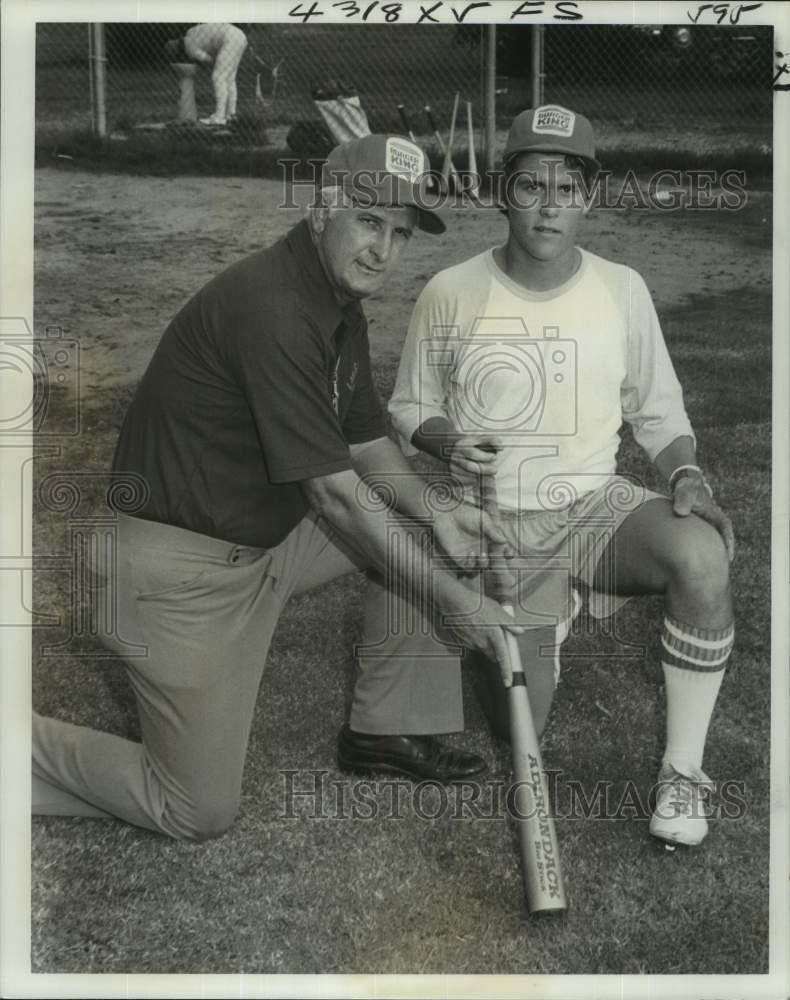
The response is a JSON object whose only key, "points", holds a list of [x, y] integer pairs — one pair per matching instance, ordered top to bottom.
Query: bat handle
{"points": [[405, 119], [431, 119], [500, 575], [516, 666]]}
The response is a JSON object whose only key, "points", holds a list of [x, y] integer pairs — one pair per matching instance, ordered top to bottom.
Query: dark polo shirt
{"points": [[261, 381]]}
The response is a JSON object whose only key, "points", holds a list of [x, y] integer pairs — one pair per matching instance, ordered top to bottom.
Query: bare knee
{"points": [[698, 562]]}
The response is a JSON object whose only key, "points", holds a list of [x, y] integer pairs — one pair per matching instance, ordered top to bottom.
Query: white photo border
{"points": [[19, 19]]}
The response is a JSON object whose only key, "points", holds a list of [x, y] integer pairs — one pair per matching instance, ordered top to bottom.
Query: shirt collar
{"points": [[325, 310]]}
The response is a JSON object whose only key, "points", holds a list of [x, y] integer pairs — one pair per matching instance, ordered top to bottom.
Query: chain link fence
{"points": [[281, 69], [669, 78], [668, 81]]}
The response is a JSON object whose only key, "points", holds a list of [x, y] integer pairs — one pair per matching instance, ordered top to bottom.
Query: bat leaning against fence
{"points": [[406, 123], [444, 150]]}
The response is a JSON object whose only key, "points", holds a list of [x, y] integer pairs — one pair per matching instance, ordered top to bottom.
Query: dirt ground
{"points": [[116, 256]]}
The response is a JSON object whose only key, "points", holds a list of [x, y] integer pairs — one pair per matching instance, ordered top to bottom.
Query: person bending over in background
{"points": [[220, 46]]}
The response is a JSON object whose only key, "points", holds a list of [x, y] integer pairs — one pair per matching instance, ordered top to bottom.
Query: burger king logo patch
{"points": [[553, 120], [404, 158]]}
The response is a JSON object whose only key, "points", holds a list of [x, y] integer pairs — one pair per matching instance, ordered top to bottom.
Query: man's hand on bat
{"points": [[467, 535]]}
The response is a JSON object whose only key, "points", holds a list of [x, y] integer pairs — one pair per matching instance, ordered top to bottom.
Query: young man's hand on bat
{"points": [[478, 454]]}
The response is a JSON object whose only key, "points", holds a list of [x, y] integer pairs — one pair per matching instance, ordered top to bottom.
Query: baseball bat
{"points": [[405, 119], [440, 142], [448, 156], [475, 187], [538, 847]]}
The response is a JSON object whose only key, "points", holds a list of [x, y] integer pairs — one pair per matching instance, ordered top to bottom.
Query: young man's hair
{"points": [[584, 167]]}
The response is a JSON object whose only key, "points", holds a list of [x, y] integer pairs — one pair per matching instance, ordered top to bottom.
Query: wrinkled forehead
{"points": [[395, 215]]}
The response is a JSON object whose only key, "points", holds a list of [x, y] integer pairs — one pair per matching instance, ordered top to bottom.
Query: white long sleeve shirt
{"points": [[553, 374]]}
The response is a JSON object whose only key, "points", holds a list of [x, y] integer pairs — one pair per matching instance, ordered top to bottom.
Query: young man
{"points": [[220, 46], [521, 364], [249, 430]]}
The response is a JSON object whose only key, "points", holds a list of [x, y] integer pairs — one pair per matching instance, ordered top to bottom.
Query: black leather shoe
{"points": [[415, 756]]}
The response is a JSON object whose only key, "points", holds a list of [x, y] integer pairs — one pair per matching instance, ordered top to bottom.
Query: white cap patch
{"points": [[553, 120], [404, 158]]}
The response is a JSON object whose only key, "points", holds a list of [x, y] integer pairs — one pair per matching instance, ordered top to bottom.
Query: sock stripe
{"points": [[696, 632], [685, 636], [696, 649], [693, 651], [678, 657]]}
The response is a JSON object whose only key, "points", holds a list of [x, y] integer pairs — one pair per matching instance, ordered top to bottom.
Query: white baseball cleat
{"points": [[213, 120], [681, 811]]}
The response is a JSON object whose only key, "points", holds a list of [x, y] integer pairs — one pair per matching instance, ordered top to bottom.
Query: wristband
{"points": [[689, 468]]}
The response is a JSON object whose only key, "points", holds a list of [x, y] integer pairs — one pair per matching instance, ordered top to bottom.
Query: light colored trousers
{"points": [[226, 64], [205, 611]]}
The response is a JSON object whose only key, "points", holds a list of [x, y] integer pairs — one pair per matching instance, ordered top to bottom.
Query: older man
{"points": [[251, 427]]}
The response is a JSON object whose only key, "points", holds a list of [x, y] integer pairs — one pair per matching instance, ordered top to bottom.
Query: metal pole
{"points": [[537, 65], [90, 77], [100, 78], [489, 97]]}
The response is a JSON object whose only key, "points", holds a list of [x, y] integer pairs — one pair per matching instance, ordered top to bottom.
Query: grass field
{"points": [[280, 893]]}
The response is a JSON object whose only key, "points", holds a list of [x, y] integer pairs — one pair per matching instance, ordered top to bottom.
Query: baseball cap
{"points": [[551, 129], [385, 170]]}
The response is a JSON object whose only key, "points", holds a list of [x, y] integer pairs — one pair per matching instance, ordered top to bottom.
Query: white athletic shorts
{"points": [[558, 551]]}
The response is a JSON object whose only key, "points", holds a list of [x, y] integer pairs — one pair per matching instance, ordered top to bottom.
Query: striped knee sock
{"points": [[693, 660]]}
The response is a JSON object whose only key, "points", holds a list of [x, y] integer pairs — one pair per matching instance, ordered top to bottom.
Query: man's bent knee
{"points": [[200, 821]]}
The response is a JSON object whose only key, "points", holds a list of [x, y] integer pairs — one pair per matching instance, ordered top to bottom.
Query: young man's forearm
{"points": [[436, 436], [678, 453]]}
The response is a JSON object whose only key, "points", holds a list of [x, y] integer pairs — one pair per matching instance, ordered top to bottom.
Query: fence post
{"points": [[537, 65], [90, 76], [99, 80], [489, 97]]}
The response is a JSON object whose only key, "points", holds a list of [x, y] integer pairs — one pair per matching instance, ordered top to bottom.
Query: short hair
{"points": [[587, 169], [333, 197]]}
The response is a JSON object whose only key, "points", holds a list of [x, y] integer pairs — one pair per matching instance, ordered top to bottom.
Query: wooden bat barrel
{"points": [[529, 802]]}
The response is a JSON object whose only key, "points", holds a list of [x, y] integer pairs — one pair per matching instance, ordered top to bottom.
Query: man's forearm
{"points": [[383, 462], [393, 544], [403, 552]]}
